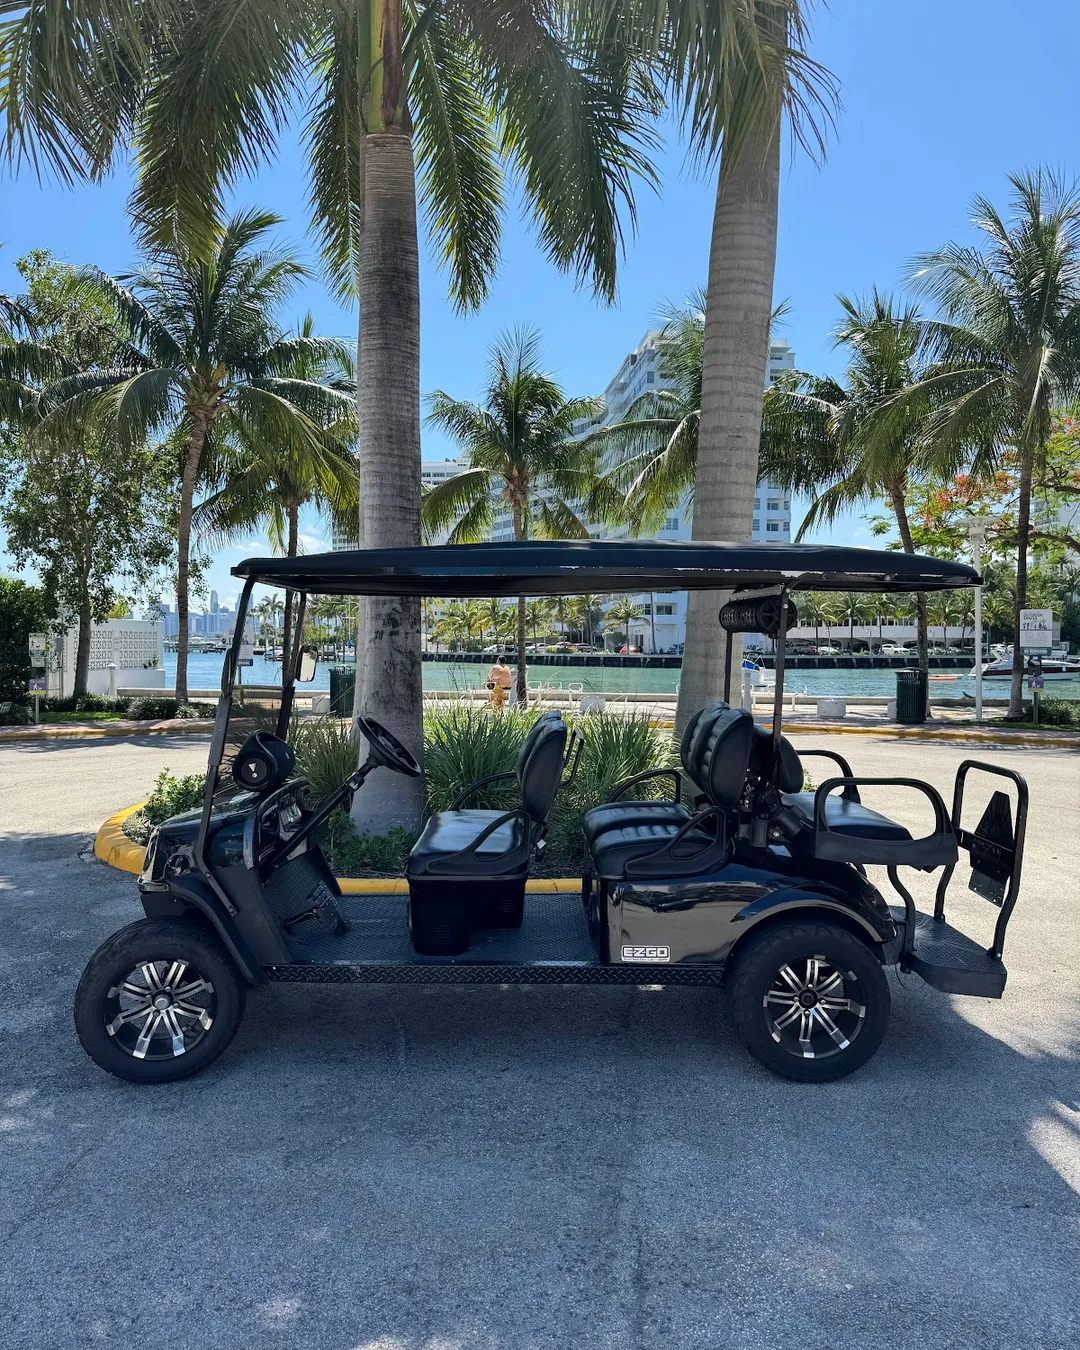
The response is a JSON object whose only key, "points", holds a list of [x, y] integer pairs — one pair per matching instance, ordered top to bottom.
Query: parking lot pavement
{"points": [[532, 1168]]}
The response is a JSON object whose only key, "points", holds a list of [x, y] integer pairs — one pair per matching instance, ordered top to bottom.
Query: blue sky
{"points": [[941, 100]]}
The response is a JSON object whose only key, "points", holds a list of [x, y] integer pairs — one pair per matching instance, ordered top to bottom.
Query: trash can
{"points": [[342, 690], [911, 696]]}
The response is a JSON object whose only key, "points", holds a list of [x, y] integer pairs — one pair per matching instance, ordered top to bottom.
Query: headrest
{"points": [[719, 752], [263, 762], [540, 765], [787, 773]]}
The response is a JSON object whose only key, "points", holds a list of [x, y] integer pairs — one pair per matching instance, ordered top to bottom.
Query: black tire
{"points": [[123, 1029], [801, 1029]]}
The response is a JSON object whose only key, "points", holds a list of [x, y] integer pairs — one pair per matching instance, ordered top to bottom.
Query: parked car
{"points": [[893, 649], [826, 650]]}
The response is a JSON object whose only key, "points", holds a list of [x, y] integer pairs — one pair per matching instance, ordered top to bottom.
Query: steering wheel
{"points": [[386, 749]]}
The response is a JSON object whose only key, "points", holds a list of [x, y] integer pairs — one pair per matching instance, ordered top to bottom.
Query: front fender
{"points": [[165, 899]]}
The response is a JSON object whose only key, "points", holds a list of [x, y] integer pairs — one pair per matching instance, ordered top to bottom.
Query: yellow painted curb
{"points": [[86, 731], [970, 735], [113, 846]]}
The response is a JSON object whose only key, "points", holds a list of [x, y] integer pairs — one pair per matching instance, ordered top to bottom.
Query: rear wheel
{"points": [[809, 1000], [158, 1001]]}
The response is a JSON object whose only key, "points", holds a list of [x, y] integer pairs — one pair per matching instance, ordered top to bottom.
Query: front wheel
{"points": [[809, 1000], [158, 1001]]}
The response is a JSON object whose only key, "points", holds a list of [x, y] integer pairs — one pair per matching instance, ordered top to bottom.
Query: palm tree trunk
{"points": [[742, 260], [188, 477], [899, 506], [292, 532], [1023, 536], [522, 677], [389, 685]]}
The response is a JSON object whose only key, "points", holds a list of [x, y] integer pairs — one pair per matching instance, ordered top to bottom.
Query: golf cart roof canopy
{"points": [[582, 567]]}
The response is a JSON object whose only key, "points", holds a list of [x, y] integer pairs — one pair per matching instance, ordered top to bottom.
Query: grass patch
{"points": [[58, 718]]}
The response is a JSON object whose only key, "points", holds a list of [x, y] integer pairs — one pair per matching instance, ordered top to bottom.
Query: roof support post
{"points": [[778, 691]]}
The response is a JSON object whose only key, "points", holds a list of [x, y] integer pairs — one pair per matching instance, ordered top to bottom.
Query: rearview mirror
{"points": [[308, 664]]}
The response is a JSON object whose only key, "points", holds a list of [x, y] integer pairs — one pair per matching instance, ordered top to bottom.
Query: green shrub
{"points": [[96, 703], [147, 709], [190, 712], [1059, 712], [15, 715], [463, 744], [327, 751], [172, 795], [358, 855]]}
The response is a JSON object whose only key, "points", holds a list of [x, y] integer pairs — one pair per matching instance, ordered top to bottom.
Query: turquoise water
{"points": [[204, 672]]}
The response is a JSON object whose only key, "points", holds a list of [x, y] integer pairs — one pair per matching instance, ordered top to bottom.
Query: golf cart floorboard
{"points": [[552, 946], [949, 960]]}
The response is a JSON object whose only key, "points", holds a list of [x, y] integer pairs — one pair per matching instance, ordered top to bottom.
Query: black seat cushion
{"points": [[540, 765], [618, 815], [848, 817], [613, 850], [504, 851]]}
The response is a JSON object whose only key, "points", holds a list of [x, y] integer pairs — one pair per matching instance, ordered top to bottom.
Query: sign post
{"points": [[976, 533], [1036, 641], [38, 645]]}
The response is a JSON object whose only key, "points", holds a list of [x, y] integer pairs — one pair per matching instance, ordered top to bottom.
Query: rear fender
{"points": [[189, 895], [861, 910]]}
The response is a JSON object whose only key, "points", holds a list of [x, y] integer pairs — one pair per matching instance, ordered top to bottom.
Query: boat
{"points": [[1059, 665]]}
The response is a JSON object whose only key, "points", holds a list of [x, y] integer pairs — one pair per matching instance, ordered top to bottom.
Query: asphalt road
{"points": [[480, 1169]]}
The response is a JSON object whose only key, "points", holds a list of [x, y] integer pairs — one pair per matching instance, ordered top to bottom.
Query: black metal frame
{"points": [[965, 839]]}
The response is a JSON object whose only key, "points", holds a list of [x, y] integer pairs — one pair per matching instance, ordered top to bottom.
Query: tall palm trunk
{"points": [[742, 260], [188, 477], [292, 517], [1023, 537], [922, 634], [522, 676], [389, 685]]}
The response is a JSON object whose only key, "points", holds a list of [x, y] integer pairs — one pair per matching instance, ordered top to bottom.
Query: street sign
{"points": [[1036, 629], [38, 643], [247, 654], [1037, 681], [37, 684]]}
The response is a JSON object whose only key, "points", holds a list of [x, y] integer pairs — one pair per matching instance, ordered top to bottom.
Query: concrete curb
{"points": [[970, 735], [115, 849]]}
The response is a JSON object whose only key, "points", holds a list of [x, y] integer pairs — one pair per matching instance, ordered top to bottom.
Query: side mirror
{"points": [[308, 665]]}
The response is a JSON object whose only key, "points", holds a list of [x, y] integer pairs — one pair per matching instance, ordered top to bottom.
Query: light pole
{"points": [[976, 533]]}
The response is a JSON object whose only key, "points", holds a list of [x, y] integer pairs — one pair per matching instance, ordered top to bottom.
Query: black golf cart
{"points": [[736, 875]]}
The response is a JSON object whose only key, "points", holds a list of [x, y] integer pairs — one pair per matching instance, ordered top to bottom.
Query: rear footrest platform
{"points": [[949, 960]]}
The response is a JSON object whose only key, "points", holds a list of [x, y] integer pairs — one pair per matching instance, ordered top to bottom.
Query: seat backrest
{"points": [[718, 752], [540, 765], [786, 772]]}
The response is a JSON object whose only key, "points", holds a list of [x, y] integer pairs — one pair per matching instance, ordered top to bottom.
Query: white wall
{"points": [[134, 646]]}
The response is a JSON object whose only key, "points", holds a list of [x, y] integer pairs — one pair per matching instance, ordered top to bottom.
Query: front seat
{"points": [[718, 757], [469, 867]]}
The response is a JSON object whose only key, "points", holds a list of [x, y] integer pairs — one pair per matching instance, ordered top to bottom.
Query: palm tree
{"points": [[737, 68], [403, 98], [1008, 348], [206, 365], [848, 443], [519, 452], [268, 481], [626, 611], [588, 613], [537, 615]]}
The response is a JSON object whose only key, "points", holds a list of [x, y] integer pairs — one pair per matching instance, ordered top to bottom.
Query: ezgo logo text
{"points": [[646, 955]]}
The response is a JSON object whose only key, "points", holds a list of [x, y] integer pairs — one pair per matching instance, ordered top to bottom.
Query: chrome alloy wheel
{"points": [[160, 1009], [814, 1009]]}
